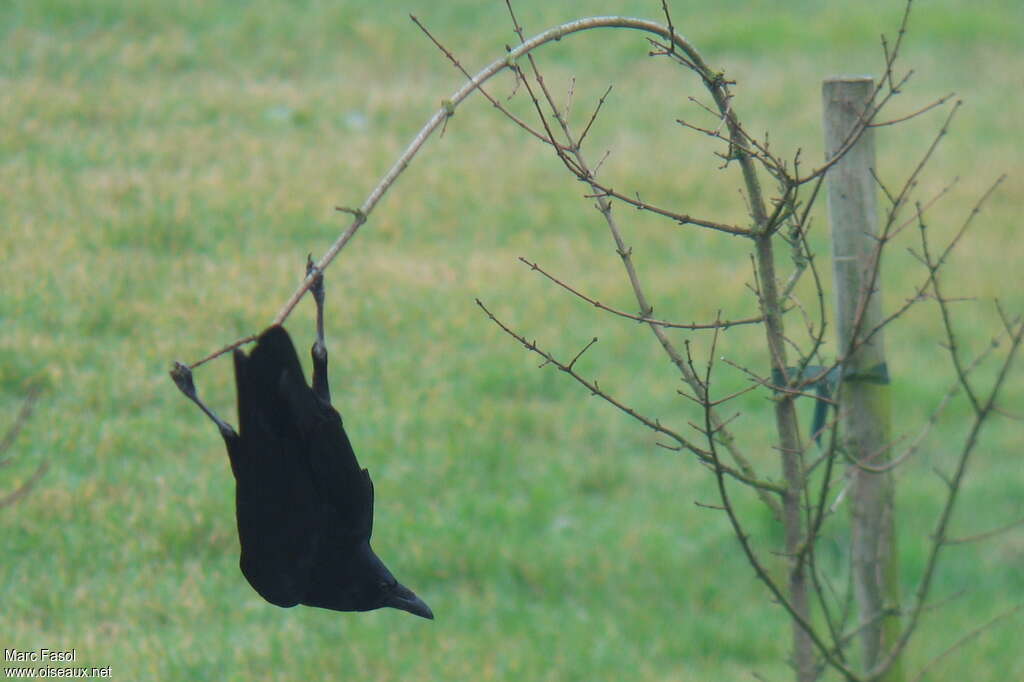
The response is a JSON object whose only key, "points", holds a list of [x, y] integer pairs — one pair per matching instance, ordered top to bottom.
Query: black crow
{"points": [[303, 503]]}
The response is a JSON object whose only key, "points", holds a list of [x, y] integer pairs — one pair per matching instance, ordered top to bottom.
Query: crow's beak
{"points": [[403, 598]]}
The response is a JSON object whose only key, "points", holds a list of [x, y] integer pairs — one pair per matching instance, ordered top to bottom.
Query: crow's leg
{"points": [[319, 350], [182, 376]]}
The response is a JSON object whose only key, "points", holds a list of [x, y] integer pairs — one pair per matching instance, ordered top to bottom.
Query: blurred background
{"points": [[165, 167]]}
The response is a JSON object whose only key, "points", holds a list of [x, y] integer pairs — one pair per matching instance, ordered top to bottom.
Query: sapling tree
{"points": [[842, 469]]}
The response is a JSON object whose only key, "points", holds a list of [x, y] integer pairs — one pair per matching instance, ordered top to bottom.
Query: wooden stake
{"points": [[864, 392]]}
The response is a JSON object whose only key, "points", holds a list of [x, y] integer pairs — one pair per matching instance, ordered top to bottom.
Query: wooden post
{"points": [[864, 393]]}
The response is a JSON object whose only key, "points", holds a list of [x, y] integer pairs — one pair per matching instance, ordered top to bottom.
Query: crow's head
{"points": [[363, 583], [377, 588], [396, 595]]}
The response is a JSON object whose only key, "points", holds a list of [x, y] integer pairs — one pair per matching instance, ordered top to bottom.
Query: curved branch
{"points": [[450, 104], [447, 109]]}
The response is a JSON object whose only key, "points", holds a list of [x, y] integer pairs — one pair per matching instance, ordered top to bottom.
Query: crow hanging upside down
{"points": [[303, 503]]}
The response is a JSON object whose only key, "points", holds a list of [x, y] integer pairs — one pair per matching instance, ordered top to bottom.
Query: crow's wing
{"points": [[344, 487], [280, 515]]}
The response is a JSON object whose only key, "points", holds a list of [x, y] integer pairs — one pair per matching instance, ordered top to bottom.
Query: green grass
{"points": [[166, 166]]}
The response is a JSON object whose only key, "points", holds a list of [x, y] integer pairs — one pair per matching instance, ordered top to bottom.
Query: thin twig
{"points": [[494, 102], [914, 114], [593, 117], [646, 319], [978, 537], [958, 644]]}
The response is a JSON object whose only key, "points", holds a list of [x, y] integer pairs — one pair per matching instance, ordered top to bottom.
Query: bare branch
{"points": [[668, 21], [451, 103], [914, 114], [593, 117], [577, 164], [603, 191], [646, 319], [225, 349], [572, 362], [592, 386], [653, 424], [978, 537], [796, 614], [958, 644]]}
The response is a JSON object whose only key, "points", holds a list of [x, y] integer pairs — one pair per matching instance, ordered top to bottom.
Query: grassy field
{"points": [[165, 167]]}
